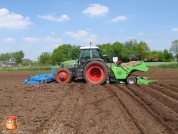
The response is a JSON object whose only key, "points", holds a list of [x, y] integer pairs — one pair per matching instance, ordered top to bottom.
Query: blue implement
{"points": [[40, 78]]}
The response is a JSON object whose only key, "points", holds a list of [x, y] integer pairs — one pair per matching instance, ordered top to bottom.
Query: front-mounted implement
{"points": [[41, 78]]}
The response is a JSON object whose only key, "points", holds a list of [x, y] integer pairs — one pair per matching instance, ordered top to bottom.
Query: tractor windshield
{"points": [[95, 53], [86, 54]]}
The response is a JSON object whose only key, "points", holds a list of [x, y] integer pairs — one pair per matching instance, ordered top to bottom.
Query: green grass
{"points": [[160, 63], [165, 65], [26, 69]]}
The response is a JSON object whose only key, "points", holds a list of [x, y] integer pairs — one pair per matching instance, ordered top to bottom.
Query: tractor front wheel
{"points": [[95, 72], [63, 75], [131, 80]]}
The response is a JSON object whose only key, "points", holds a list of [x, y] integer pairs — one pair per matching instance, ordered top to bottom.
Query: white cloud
{"points": [[96, 10], [53, 18], [119, 18], [12, 20], [174, 30], [52, 32], [140, 33], [78, 34], [82, 35], [93, 35], [9, 40], [31, 40], [55, 40]]}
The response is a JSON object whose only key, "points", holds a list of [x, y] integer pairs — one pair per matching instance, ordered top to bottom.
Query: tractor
{"points": [[90, 67]]}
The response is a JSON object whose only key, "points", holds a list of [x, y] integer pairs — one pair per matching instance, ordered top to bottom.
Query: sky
{"points": [[37, 26]]}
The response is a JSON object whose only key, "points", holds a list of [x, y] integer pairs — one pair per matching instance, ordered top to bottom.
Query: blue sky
{"points": [[36, 26]]}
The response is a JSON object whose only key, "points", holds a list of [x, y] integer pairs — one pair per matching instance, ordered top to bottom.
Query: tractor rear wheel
{"points": [[95, 72], [63, 75], [131, 80]]}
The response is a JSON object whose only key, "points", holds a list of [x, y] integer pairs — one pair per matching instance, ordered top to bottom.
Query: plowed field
{"points": [[81, 108]]}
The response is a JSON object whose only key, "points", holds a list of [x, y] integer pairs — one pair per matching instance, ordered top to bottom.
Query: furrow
{"points": [[165, 91], [163, 113], [142, 116]]}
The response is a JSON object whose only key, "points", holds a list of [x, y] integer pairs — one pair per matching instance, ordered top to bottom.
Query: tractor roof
{"points": [[88, 47]]}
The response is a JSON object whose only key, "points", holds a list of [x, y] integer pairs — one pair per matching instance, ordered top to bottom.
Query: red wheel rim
{"points": [[95, 74], [62, 76]]}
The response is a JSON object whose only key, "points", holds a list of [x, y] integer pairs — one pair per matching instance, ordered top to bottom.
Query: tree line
{"points": [[127, 51], [14, 56]]}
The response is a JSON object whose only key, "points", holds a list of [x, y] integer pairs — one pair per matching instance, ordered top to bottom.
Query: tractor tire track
{"points": [[117, 100], [79, 110], [161, 112], [139, 113], [105, 114], [66, 117], [46, 125]]}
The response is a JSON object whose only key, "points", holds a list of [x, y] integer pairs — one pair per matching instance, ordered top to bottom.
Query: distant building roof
{"points": [[26, 60]]}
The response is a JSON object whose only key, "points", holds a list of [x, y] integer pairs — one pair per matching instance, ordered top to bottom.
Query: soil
{"points": [[81, 108]]}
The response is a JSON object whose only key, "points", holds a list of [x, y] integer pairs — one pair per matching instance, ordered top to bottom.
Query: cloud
{"points": [[96, 10], [53, 18], [119, 18], [12, 20], [174, 30], [52, 32], [140, 33], [78, 34], [82, 35], [9, 40], [31, 40], [55, 40]]}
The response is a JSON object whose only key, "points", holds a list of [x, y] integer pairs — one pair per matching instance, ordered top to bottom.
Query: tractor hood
{"points": [[69, 64]]}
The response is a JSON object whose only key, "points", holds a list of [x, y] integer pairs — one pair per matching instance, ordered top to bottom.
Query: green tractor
{"points": [[95, 70]]}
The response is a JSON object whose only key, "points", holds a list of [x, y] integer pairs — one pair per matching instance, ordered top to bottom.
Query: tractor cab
{"points": [[88, 53]]}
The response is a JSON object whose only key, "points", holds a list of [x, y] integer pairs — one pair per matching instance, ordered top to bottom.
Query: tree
{"points": [[174, 48], [105, 49], [131, 49], [119, 50], [142, 50], [74, 52], [62, 53], [5, 56], [18, 56], [155, 56], [167, 56], [45, 58]]}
